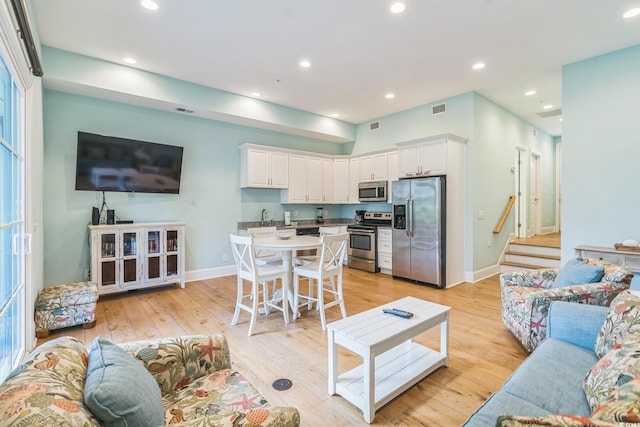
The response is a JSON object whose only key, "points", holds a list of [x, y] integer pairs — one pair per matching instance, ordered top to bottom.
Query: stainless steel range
{"points": [[363, 254]]}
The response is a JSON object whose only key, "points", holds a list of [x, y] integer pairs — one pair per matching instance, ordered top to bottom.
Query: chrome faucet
{"points": [[264, 216]]}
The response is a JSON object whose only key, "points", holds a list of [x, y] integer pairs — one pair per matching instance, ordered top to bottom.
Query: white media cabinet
{"points": [[134, 256]]}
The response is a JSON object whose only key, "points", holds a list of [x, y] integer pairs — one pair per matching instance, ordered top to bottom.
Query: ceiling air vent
{"points": [[438, 109], [550, 113], [374, 126]]}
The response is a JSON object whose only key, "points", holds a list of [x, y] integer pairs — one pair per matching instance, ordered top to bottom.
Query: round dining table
{"points": [[287, 246]]}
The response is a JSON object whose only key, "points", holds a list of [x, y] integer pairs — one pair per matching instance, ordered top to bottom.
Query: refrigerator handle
{"points": [[410, 217]]}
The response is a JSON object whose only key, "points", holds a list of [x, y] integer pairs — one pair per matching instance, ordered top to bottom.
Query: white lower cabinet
{"points": [[385, 254], [134, 256]]}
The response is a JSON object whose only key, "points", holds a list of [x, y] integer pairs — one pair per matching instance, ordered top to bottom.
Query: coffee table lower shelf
{"points": [[395, 371]]}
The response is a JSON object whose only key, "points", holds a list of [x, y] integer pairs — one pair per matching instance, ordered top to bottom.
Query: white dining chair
{"points": [[264, 256], [308, 259], [327, 274], [259, 276]]}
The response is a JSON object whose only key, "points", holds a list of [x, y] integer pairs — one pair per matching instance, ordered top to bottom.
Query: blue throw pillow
{"points": [[576, 272], [119, 390]]}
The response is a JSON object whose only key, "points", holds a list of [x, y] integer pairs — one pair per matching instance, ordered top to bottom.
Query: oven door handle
{"points": [[410, 217], [363, 232]]}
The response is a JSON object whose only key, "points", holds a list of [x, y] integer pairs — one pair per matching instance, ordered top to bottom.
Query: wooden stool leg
{"points": [[89, 325], [42, 334]]}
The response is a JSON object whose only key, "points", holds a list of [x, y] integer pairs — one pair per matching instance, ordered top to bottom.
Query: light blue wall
{"points": [[497, 133], [601, 149], [210, 200]]}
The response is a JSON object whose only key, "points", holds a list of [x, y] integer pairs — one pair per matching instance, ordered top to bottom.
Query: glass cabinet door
{"points": [[172, 253], [108, 256], [130, 259], [153, 269]]}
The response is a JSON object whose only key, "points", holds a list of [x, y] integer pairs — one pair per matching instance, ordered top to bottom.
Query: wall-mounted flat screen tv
{"points": [[107, 163]]}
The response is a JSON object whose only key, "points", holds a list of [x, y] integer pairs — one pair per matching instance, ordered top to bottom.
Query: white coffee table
{"points": [[392, 362]]}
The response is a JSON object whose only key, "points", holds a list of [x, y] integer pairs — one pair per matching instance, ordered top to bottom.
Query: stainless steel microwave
{"points": [[372, 191]]}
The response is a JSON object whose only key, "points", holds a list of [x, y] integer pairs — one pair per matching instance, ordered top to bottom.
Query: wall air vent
{"points": [[438, 109], [184, 110], [550, 113], [374, 126]]}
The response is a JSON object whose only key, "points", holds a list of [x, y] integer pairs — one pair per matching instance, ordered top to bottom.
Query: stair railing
{"points": [[505, 214]]}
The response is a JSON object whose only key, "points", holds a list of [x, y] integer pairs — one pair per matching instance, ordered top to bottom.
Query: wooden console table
{"points": [[627, 259]]}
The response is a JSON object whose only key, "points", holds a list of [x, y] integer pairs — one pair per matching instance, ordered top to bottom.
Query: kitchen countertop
{"points": [[302, 223]]}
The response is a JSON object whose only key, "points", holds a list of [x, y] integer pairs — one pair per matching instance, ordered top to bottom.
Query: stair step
{"points": [[534, 249], [529, 254], [521, 266]]}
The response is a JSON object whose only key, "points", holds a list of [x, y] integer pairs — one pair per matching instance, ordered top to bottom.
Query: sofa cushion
{"points": [[577, 272], [623, 319], [614, 369], [552, 377], [119, 390], [218, 395], [499, 404], [622, 406], [558, 420]]}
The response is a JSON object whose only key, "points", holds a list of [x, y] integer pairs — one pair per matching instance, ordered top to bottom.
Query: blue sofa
{"points": [[550, 380]]}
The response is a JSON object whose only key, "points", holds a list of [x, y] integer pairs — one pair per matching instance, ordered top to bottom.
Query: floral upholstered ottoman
{"points": [[66, 305]]}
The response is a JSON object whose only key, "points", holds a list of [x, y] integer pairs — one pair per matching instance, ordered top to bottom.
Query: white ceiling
{"points": [[359, 50]]}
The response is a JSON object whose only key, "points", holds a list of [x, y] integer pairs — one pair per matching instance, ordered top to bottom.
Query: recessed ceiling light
{"points": [[149, 4], [397, 7], [631, 13], [129, 60], [305, 63], [479, 65], [530, 92], [255, 93], [390, 95], [547, 107], [335, 115]]}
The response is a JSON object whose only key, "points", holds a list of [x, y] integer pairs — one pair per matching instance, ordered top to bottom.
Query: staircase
{"points": [[531, 254]]}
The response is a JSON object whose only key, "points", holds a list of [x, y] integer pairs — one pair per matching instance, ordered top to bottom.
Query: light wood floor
{"points": [[551, 240], [482, 352]]}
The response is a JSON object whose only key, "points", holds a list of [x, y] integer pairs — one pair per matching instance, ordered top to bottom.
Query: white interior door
{"points": [[521, 192], [535, 200]]}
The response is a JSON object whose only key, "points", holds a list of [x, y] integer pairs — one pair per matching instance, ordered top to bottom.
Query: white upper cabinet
{"points": [[423, 157], [373, 167], [263, 168], [392, 172], [354, 179], [305, 180], [327, 180], [341, 181]]}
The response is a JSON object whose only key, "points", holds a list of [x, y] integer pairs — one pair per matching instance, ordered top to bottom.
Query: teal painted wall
{"points": [[497, 133], [601, 148], [210, 200]]}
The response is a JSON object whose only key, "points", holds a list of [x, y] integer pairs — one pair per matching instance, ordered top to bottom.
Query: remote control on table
{"points": [[398, 312]]}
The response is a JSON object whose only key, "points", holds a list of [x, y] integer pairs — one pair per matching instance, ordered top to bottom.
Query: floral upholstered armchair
{"points": [[527, 295], [181, 381]]}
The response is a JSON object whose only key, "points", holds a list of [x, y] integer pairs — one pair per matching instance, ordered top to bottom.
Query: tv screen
{"points": [[107, 163]]}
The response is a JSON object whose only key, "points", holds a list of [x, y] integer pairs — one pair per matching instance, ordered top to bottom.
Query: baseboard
{"points": [[548, 230], [209, 273], [475, 276]]}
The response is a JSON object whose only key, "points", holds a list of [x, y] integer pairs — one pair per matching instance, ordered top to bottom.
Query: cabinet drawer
{"points": [[384, 234], [384, 247], [603, 256], [384, 261], [632, 263]]}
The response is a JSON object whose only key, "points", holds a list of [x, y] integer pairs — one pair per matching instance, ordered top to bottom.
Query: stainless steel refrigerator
{"points": [[419, 230]]}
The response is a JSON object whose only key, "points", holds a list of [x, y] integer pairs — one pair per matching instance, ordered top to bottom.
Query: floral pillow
{"points": [[622, 320], [615, 369], [622, 406]]}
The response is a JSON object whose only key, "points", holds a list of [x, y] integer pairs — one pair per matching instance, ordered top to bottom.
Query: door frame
{"points": [[521, 191], [535, 196]]}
